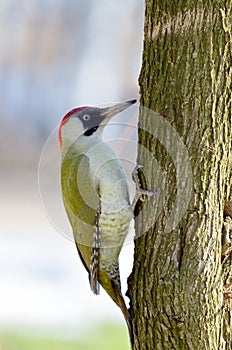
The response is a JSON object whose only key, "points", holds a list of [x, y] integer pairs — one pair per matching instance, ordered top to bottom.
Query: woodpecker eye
{"points": [[86, 117]]}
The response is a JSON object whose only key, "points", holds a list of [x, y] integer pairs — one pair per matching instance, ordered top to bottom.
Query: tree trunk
{"points": [[180, 288]]}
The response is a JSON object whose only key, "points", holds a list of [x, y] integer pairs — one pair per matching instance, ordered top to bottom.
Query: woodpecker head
{"points": [[85, 123]]}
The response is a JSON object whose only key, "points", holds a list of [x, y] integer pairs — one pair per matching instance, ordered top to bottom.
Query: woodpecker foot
{"points": [[135, 173], [137, 176], [143, 195]]}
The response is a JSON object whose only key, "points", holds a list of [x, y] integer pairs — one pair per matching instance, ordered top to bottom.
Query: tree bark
{"points": [[180, 288]]}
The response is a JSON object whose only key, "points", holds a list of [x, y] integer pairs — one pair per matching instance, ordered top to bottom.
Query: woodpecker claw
{"points": [[138, 166], [135, 171], [135, 176], [141, 193], [144, 194]]}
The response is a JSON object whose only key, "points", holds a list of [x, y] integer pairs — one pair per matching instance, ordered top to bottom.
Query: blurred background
{"points": [[55, 55]]}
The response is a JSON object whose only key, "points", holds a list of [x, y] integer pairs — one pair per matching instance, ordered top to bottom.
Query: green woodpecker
{"points": [[95, 195]]}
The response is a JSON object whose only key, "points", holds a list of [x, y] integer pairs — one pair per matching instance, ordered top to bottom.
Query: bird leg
{"points": [[141, 194]]}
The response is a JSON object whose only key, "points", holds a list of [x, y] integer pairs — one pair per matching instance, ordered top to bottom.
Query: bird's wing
{"points": [[79, 193], [82, 204]]}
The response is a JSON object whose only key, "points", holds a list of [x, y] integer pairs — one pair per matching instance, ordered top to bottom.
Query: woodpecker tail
{"points": [[113, 287], [119, 300]]}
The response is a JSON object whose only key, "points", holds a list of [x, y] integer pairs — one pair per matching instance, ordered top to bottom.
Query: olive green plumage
{"points": [[95, 195], [81, 196]]}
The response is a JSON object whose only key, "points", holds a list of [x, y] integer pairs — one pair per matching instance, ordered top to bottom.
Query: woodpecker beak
{"points": [[109, 112]]}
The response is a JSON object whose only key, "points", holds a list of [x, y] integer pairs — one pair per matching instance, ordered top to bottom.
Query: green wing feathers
{"points": [[81, 202]]}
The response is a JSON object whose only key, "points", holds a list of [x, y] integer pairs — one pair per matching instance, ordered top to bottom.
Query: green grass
{"points": [[105, 337]]}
